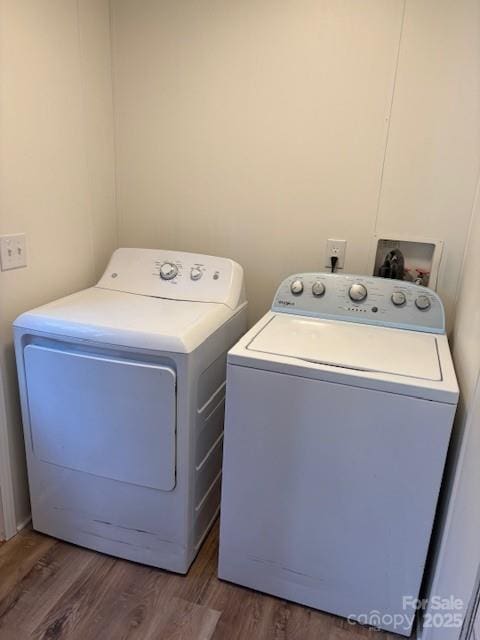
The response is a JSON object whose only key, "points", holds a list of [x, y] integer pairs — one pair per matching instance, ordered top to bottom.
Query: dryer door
{"points": [[104, 416]]}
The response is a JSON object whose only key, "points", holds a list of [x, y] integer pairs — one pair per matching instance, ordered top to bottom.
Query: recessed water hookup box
{"points": [[403, 258]]}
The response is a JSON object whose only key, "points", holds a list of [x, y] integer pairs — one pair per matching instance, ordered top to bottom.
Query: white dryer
{"points": [[122, 388], [340, 403]]}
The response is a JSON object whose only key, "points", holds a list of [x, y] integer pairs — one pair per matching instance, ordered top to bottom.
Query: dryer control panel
{"points": [[175, 275], [362, 299]]}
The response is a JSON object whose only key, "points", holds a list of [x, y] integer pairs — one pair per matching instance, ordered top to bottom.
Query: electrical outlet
{"points": [[336, 248], [13, 251]]}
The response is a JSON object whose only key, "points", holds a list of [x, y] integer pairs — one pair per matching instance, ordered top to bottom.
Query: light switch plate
{"points": [[13, 251]]}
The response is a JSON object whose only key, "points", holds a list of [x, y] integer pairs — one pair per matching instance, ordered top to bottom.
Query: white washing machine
{"points": [[122, 388], [340, 403]]}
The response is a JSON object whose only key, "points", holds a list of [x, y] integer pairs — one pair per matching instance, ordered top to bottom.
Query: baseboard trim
{"points": [[24, 523]]}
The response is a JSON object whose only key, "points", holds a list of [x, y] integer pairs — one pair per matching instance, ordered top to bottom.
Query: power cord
{"points": [[333, 263]]}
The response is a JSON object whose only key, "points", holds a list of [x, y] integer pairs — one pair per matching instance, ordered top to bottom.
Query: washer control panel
{"points": [[175, 276], [369, 300]]}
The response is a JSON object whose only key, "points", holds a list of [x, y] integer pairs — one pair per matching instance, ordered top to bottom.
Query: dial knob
{"points": [[168, 270], [195, 274], [296, 287], [318, 289], [357, 292], [398, 298], [423, 303]]}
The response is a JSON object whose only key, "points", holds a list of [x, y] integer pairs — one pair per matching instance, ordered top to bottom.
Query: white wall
{"points": [[257, 130], [433, 152], [56, 166], [458, 557]]}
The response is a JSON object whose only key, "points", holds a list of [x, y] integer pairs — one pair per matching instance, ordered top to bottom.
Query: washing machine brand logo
{"points": [[286, 303]]}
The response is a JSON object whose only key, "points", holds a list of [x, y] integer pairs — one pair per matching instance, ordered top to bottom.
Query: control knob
{"points": [[168, 270], [195, 273], [296, 287], [318, 289], [357, 292], [398, 298], [423, 303]]}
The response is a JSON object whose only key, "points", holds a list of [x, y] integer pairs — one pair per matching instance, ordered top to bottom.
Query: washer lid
{"points": [[351, 346]]}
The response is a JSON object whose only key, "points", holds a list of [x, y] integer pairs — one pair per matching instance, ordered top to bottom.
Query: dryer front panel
{"points": [[103, 416]]}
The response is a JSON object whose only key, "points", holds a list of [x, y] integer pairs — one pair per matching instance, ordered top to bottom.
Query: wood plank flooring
{"points": [[50, 590]]}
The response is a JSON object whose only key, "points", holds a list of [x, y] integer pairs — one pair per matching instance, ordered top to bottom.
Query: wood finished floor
{"points": [[50, 590]]}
